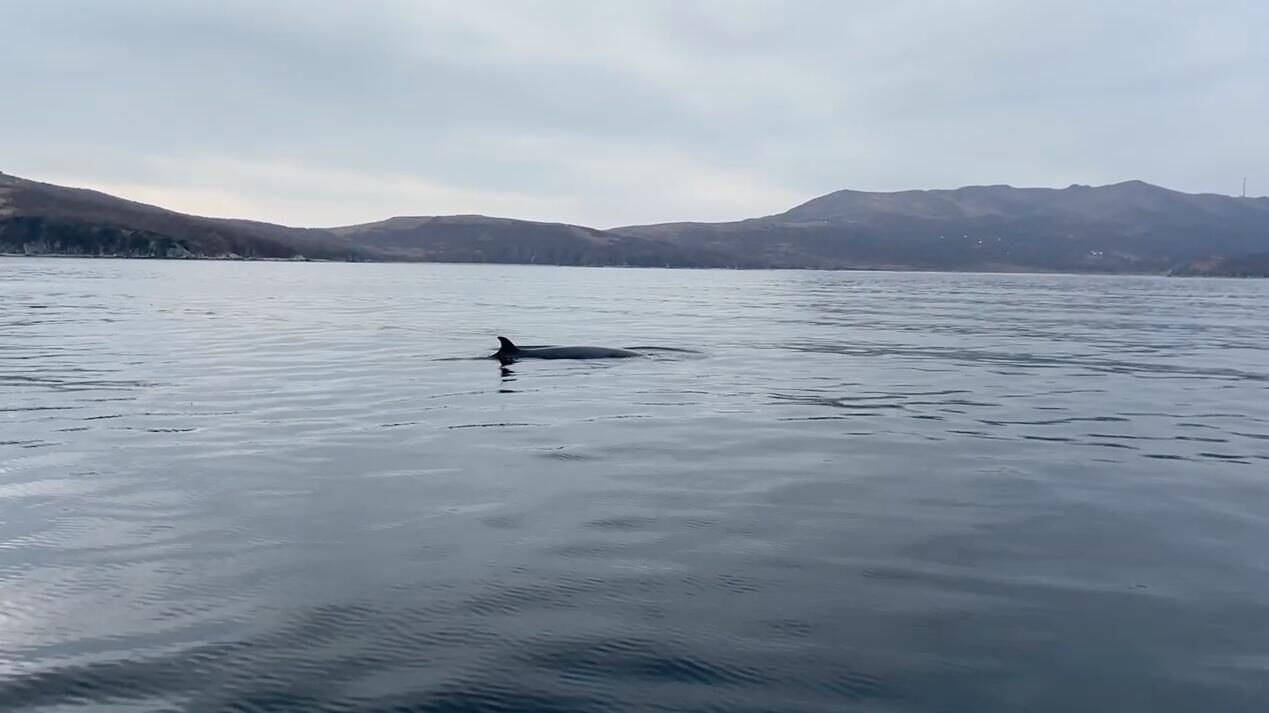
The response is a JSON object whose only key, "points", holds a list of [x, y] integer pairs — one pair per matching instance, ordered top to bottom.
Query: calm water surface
{"points": [[287, 487]]}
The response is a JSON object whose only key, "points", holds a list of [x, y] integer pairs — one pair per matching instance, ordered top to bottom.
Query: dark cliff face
{"points": [[1126, 227]]}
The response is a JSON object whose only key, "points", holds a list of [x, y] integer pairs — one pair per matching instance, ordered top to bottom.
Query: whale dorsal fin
{"points": [[507, 346]]}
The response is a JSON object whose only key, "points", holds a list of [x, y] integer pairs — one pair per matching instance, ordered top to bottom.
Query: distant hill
{"points": [[45, 219], [1124, 227], [476, 238], [1253, 265]]}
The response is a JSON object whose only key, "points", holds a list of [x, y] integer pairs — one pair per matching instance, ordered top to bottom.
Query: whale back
{"points": [[508, 352]]}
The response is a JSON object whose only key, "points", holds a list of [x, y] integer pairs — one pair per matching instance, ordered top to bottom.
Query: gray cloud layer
{"points": [[609, 112]]}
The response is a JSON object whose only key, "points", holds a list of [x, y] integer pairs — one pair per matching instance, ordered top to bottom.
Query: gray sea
{"points": [[295, 487]]}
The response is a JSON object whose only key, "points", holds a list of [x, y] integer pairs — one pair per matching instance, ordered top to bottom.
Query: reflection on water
{"points": [[292, 487]]}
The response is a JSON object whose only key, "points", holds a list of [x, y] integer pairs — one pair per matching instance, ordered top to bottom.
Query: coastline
{"points": [[893, 268]]}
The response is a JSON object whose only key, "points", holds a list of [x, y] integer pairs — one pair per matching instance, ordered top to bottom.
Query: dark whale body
{"points": [[509, 352]]}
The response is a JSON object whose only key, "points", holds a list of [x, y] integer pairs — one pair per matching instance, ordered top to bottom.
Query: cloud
{"points": [[622, 111]]}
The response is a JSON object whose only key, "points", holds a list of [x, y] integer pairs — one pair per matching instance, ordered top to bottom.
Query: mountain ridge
{"points": [[1130, 226]]}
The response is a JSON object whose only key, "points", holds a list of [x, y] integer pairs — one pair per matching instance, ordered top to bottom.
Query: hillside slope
{"points": [[42, 218], [45, 219], [1129, 226], [1125, 227], [474, 238], [1252, 265]]}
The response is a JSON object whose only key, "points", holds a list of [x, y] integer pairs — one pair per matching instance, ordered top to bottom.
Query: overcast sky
{"points": [[607, 112]]}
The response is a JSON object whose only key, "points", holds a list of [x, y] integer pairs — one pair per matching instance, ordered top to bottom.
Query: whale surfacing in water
{"points": [[509, 352]]}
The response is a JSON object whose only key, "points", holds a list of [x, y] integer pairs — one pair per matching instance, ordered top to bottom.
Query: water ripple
{"points": [[296, 487]]}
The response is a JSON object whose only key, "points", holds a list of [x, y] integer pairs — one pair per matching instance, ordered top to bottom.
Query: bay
{"points": [[296, 487]]}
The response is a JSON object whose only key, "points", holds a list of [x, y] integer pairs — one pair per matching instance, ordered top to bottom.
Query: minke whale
{"points": [[509, 352]]}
